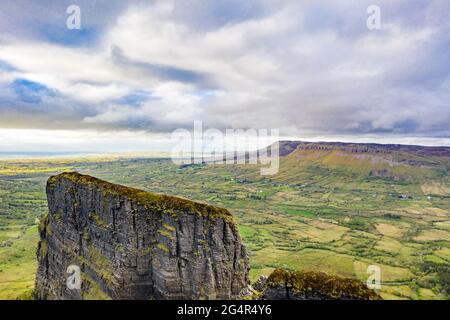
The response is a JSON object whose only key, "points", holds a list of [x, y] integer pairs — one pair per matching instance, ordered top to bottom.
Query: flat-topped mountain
{"points": [[287, 147], [363, 161], [132, 244]]}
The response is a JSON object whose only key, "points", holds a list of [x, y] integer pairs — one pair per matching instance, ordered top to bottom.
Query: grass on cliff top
{"points": [[161, 202]]}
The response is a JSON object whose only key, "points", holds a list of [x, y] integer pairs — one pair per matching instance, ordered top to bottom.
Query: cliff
{"points": [[131, 244]]}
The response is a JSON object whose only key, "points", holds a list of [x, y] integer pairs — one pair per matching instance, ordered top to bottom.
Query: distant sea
{"points": [[38, 155]]}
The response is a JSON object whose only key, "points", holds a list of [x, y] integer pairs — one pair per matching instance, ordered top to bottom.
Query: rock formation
{"points": [[131, 244], [301, 285]]}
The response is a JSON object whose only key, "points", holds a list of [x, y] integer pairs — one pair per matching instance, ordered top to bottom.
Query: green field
{"points": [[324, 216]]}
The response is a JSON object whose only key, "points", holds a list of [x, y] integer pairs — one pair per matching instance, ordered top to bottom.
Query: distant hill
{"points": [[287, 147], [307, 160]]}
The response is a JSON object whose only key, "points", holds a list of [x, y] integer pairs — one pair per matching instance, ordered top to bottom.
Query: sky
{"points": [[138, 70]]}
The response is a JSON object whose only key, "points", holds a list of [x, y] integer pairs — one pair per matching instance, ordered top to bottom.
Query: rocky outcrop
{"points": [[131, 244], [301, 285]]}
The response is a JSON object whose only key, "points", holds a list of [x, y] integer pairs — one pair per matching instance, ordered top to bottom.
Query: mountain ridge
{"points": [[288, 146]]}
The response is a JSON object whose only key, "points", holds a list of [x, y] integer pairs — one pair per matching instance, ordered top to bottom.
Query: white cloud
{"points": [[304, 68]]}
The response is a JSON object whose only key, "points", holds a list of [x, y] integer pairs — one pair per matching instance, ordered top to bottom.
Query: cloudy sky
{"points": [[137, 70]]}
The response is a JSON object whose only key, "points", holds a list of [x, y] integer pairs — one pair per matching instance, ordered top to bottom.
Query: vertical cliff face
{"points": [[130, 244]]}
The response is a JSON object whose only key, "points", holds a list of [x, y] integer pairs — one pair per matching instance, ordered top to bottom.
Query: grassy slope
{"points": [[323, 211], [18, 265]]}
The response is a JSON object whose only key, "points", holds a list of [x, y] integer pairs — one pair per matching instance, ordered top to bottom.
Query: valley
{"points": [[331, 208]]}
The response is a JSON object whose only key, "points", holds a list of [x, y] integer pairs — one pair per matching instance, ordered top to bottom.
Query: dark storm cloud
{"points": [[162, 72]]}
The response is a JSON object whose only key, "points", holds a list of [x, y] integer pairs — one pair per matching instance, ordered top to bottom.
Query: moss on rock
{"points": [[160, 202], [43, 223], [43, 248], [313, 285]]}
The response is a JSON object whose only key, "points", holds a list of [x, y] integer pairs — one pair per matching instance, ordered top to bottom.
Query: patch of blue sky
{"points": [[84, 37], [30, 91], [204, 94], [136, 98]]}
